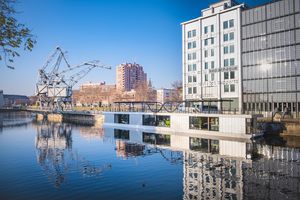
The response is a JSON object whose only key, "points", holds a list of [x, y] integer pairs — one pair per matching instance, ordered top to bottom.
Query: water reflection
{"points": [[12, 119], [56, 156], [204, 167], [220, 169]]}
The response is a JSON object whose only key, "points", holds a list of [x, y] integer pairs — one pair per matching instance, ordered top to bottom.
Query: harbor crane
{"points": [[57, 78]]}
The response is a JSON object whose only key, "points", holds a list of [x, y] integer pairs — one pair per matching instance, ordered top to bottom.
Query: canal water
{"points": [[44, 160]]}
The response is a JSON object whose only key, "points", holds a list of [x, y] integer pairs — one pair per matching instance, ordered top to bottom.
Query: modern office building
{"points": [[248, 55], [271, 56], [129, 76]]}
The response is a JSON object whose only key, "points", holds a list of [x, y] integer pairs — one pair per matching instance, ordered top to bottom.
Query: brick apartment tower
{"points": [[129, 76]]}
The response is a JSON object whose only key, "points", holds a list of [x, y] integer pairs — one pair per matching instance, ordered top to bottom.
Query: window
{"points": [[231, 23], [225, 24], [228, 24], [212, 28], [205, 29], [191, 33], [194, 33], [228, 36], [231, 36], [225, 37], [212, 40], [205, 42], [194, 44], [191, 45], [231, 48], [225, 49], [212, 52], [205, 53], [189, 56], [194, 56], [231, 61], [226, 62], [212, 64], [206, 65], [194, 67], [189, 68], [226, 75], [232, 75], [206, 77], [212, 77], [189, 79], [194, 79], [226, 88], [232, 88], [189, 90], [194, 90], [156, 120], [198, 122]]}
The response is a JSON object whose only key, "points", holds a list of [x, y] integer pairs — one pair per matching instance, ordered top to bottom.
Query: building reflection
{"points": [[91, 132], [126, 149], [55, 154], [221, 169], [212, 177]]}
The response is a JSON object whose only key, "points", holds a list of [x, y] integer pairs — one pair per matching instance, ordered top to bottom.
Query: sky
{"points": [[147, 32]]}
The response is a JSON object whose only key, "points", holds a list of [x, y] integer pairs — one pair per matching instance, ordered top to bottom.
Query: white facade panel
{"points": [[215, 79]]}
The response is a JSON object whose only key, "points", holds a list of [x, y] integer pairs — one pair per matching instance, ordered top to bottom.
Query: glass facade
{"points": [[271, 57]]}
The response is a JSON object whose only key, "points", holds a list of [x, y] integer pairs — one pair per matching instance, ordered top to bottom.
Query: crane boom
{"points": [[55, 83]]}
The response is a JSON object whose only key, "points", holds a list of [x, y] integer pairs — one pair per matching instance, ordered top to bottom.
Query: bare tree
{"points": [[177, 87]]}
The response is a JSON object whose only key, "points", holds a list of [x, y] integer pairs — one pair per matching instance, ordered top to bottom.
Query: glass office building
{"points": [[271, 57]]}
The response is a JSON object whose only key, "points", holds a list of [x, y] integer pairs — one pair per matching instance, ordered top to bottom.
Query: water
{"points": [[42, 160]]}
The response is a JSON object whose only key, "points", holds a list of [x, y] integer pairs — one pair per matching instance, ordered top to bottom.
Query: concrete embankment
{"points": [[72, 117]]}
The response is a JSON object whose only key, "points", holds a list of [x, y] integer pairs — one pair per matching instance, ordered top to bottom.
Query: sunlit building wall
{"points": [[211, 55]]}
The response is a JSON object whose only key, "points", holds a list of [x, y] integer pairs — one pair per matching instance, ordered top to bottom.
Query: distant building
{"points": [[130, 76], [94, 94], [163, 95], [1, 99], [15, 100]]}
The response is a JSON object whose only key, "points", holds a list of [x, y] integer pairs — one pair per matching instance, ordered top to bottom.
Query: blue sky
{"points": [[147, 32]]}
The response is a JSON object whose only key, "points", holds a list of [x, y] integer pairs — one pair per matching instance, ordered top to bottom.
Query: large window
{"points": [[228, 24], [192, 33], [228, 36], [226, 88], [121, 118], [157, 120], [198, 123], [121, 134], [158, 139], [204, 145]]}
